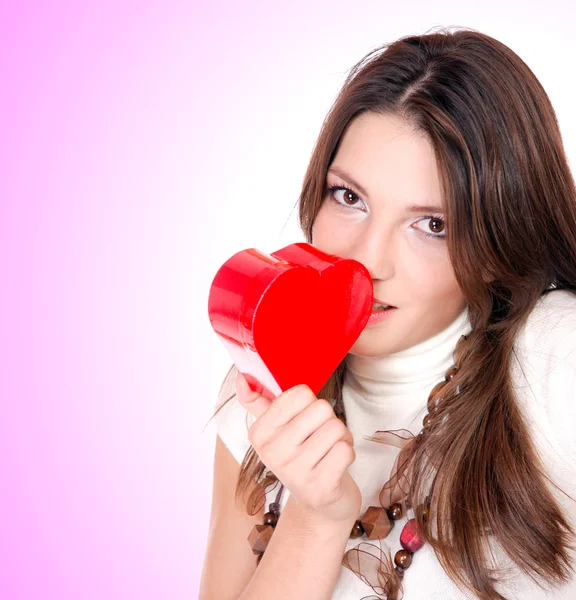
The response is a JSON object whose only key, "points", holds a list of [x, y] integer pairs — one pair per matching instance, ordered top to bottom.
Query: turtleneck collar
{"points": [[425, 362]]}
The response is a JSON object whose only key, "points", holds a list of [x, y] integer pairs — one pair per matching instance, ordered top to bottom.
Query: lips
{"points": [[378, 302]]}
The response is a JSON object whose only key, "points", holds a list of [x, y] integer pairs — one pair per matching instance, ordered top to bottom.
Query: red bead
{"points": [[409, 538]]}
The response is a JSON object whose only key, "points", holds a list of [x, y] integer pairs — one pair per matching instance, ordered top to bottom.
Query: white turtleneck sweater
{"points": [[391, 392]]}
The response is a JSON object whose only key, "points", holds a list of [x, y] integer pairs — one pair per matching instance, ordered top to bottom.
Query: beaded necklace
{"points": [[377, 521]]}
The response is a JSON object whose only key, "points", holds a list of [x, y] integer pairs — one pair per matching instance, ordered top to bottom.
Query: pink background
{"points": [[143, 143]]}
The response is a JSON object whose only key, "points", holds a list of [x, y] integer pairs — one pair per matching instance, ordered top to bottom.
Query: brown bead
{"points": [[450, 373], [434, 397], [427, 420], [395, 511], [425, 514], [270, 519], [376, 522], [357, 530], [259, 538], [259, 558], [403, 559]]}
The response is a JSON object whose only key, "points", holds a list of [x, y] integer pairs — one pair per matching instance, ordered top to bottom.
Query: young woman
{"points": [[439, 460]]}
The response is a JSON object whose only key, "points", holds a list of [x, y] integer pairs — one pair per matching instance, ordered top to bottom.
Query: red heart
{"points": [[289, 317]]}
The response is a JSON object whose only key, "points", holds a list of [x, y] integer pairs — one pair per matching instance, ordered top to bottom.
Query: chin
{"points": [[365, 348]]}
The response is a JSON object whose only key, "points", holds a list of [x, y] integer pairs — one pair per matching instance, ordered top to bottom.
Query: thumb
{"points": [[252, 401]]}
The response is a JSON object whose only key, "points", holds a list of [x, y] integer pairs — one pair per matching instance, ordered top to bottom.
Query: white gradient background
{"points": [[142, 144]]}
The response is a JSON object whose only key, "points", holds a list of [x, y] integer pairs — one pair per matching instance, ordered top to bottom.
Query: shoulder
{"points": [[550, 330], [544, 371], [232, 420]]}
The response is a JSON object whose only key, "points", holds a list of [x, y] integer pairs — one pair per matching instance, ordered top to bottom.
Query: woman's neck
{"points": [[424, 363]]}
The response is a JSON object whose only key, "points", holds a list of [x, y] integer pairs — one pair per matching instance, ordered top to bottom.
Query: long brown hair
{"points": [[510, 203]]}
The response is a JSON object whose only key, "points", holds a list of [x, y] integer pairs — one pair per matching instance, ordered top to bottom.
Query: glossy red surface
{"points": [[291, 316], [409, 538]]}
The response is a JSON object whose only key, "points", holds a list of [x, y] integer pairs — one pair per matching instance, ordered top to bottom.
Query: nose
{"points": [[374, 248]]}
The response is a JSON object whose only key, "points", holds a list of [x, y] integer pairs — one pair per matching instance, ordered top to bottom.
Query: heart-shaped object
{"points": [[289, 317]]}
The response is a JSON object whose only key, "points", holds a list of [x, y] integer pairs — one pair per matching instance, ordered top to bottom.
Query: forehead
{"points": [[385, 155]]}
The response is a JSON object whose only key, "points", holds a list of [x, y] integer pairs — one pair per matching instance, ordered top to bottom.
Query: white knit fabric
{"points": [[391, 392]]}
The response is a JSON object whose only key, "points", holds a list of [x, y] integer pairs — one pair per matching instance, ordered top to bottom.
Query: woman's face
{"points": [[386, 168]]}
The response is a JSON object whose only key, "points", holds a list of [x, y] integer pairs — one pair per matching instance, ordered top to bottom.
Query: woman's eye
{"points": [[343, 196], [347, 198], [436, 225]]}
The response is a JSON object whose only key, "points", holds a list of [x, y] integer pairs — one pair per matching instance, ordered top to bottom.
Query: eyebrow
{"points": [[415, 208]]}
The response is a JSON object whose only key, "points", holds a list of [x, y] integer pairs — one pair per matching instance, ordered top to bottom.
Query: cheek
{"points": [[328, 233], [429, 274]]}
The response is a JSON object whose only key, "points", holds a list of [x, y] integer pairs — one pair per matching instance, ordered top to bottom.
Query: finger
{"points": [[253, 402], [288, 405], [271, 416], [311, 418], [321, 442], [336, 462]]}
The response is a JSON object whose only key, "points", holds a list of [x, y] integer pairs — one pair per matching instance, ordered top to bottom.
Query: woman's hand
{"points": [[300, 439]]}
